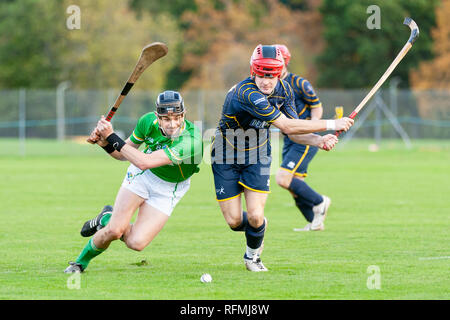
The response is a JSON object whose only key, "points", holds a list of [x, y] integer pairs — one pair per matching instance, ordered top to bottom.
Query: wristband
{"points": [[331, 125], [115, 141], [109, 148]]}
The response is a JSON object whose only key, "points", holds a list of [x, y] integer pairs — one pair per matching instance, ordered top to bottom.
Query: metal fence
{"points": [[64, 113]]}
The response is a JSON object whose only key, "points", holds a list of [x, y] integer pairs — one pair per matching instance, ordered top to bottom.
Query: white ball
{"points": [[373, 147], [206, 277]]}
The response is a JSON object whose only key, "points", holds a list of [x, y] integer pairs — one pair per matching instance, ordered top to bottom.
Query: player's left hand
{"points": [[104, 128], [328, 142]]}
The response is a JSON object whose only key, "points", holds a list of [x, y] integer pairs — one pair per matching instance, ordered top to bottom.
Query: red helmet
{"points": [[285, 52], [266, 60]]}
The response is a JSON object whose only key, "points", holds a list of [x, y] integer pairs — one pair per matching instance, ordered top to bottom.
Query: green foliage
{"points": [[295, 4], [175, 8], [30, 43], [104, 51], [356, 56]]}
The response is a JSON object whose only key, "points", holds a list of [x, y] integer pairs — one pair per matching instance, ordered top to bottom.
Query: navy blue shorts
{"points": [[296, 158], [231, 179]]}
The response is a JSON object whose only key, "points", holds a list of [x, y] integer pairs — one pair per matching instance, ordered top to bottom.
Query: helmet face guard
{"points": [[284, 52], [266, 61], [168, 103]]}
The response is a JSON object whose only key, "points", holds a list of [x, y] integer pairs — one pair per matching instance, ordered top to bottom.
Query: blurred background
{"points": [[63, 63]]}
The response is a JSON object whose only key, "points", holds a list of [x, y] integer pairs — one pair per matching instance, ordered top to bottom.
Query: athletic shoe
{"points": [[320, 213], [90, 227], [306, 228], [254, 264], [74, 267]]}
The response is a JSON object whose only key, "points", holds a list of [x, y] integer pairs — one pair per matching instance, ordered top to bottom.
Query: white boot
{"points": [[320, 213]]}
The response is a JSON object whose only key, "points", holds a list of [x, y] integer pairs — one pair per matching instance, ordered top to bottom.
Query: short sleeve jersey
{"points": [[305, 96], [246, 108], [185, 151]]}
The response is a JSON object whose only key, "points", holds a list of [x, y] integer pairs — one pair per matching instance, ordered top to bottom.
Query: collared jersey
{"points": [[247, 107], [247, 114], [185, 151]]}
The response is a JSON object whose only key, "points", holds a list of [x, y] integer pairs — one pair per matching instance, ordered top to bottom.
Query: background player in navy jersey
{"points": [[241, 154], [296, 157]]}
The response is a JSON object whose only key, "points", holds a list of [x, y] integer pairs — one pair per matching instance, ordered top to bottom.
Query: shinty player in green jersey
{"points": [[156, 180]]}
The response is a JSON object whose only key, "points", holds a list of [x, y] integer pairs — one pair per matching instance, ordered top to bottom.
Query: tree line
{"points": [[210, 41]]}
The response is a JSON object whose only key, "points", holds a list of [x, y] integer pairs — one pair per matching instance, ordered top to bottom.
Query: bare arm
{"points": [[316, 113], [297, 126], [308, 138], [326, 142], [130, 152], [142, 160]]}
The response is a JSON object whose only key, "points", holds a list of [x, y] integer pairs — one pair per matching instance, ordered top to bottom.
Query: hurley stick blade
{"points": [[149, 54]]}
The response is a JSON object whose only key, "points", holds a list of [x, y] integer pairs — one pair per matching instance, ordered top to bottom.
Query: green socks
{"points": [[105, 219], [89, 252]]}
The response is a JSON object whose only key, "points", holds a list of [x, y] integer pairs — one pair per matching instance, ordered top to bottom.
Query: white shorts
{"points": [[158, 193]]}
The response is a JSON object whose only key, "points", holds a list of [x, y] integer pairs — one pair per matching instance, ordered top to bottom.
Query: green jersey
{"points": [[185, 151]]}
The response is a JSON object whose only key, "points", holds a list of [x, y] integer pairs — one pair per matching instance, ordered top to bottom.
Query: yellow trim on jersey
{"points": [[245, 84], [304, 91], [243, 93], [311, 100], [268, 104], [316, 106], [304, 109], [267, 114], [235, 119], [270, 121], [137, 138], [173, 155], [301, 160], [181, 171], [247, 187], [229, 198]]}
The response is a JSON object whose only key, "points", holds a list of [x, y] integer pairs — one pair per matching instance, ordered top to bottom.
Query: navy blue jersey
{"points": [[305, 96], [305, 99], [247, 107], [247, 115]]}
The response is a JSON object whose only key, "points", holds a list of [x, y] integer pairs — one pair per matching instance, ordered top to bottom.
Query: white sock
{"points": [[250, 252]]}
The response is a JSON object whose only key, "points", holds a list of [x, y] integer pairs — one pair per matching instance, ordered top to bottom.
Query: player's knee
{"points": [[283, 180], [256, 219], [234, 222], [115, 233], [135, 245]]}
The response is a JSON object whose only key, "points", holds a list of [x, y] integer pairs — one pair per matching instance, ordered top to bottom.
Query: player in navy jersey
{"points": [[241, 154], [296, 157]]}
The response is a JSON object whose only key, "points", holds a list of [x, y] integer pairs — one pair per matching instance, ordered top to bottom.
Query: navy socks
{"points": [[307, 195]]}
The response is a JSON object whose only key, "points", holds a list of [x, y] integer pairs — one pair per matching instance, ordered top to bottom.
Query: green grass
{"points": [[389, 209]]}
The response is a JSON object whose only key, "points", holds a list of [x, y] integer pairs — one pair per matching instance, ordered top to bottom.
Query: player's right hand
{"points": [[343, 124], [94, 137], [328, 142]]}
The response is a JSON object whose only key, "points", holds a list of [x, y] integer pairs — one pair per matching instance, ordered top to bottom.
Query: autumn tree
{"points": [[219, 40], [104, 51], [435, 74], [432, 78]]}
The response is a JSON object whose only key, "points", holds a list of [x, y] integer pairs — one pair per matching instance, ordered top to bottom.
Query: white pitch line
{"points": [[435, 258]]}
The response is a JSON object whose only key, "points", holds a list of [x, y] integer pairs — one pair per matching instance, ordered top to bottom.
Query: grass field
{"points": [[390, 209]]}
